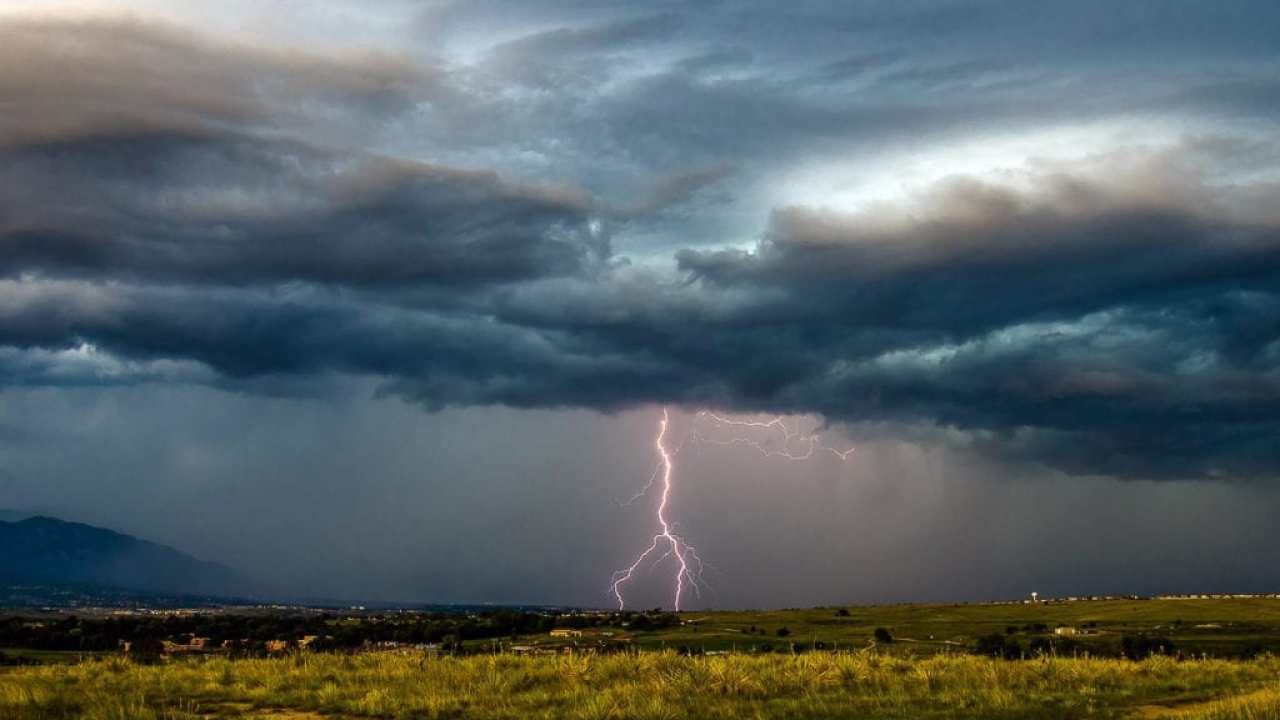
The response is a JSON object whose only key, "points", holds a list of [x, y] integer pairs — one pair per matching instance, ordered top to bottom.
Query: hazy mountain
{"points": [[46, 551]]}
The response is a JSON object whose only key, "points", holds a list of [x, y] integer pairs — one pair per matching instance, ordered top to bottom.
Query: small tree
{"points": [[783, 632], [883, 636], [992, 645], [146, 650]]}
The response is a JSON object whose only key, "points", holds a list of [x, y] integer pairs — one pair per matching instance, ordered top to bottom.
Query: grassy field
{"points": [[1217, 627], [47, 657], [928, 671], [644, 685]]}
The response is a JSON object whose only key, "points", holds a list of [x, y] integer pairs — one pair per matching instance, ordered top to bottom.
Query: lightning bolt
{"points": [[792, 443], [796, 444], [675, 545]]}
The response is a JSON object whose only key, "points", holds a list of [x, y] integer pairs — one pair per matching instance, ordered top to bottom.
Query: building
{"points": [[1066, 631], [566, 633], [195, 644]]}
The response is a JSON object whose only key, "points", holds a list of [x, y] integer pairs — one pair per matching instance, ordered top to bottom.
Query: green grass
{"points": [[1246, 626], [45, 657], [926, 673], [646, 685], [1261, 705]]}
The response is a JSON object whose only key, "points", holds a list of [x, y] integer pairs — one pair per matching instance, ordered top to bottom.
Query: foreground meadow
{"points": [[645, 685]]}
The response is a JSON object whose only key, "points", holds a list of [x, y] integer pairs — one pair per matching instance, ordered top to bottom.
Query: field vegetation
{"points": [[1224, 628], [1234, 628], [1200, 658], [656, 685]]}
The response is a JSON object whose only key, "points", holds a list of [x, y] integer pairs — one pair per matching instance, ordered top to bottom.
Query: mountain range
{"points": [[46, 551]]}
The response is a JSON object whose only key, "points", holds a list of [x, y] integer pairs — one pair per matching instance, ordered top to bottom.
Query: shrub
{"points": [[998, 646], [1137, 647]]}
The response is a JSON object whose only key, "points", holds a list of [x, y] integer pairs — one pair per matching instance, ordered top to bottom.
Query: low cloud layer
{"points": [[232, 210], [539, 222]]}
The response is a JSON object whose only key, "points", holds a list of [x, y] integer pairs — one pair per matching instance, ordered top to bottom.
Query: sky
{"points": [[384, 300]]}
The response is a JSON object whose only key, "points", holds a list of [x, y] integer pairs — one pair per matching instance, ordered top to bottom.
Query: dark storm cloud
{"points": [[141, 152], [224, 208], [177, 209], [973, 255], [1096, 321], [1122, 323], [1095, 326], [1125, 326], [449, 357]]}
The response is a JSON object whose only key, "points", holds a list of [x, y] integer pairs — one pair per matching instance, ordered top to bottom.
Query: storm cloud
{"points": [[611, 211]]}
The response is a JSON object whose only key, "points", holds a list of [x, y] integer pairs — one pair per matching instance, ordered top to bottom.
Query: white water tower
{"points": [[1034, 595]]}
